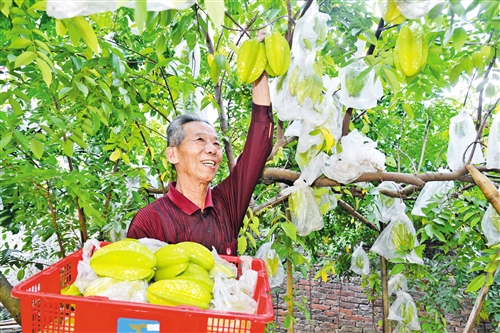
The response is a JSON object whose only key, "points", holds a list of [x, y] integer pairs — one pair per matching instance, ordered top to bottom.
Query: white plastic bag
{"points": [[371, 90], [462, 135], [493, 152], [359, 155], [432, 192], [304, 208], [387, 208], [491, 225], [390, 243], [152, 244], [360, 264], [274, 266], [222, 267], [86, 274], [397, 283], [118, 290], [230, 295], [404, 311]]}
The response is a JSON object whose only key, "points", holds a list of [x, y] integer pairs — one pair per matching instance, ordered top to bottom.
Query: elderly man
{"points": [[192, 210]]}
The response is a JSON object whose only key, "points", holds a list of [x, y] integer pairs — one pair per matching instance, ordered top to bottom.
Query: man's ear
{"points": [[171, 153]]}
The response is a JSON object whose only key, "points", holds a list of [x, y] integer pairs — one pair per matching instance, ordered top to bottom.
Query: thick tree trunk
{"points": [[11, 304]]}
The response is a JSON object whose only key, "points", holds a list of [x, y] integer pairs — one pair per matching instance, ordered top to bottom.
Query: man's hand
{"points": [[260, 87]]}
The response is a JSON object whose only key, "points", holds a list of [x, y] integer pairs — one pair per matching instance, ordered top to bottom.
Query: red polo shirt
{"points": [[173, 218]]}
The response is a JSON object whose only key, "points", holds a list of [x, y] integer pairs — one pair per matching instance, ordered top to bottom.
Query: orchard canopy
{"points": [[385, 109]]}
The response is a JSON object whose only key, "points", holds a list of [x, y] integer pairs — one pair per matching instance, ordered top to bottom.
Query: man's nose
{"points": [[210, 148]]}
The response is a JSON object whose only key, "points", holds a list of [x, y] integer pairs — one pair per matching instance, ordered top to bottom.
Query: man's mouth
{"points": [[209, 163]]}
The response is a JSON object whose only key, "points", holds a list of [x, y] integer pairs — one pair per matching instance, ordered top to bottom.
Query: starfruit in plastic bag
{"points": [[390, 12], [411, 50], [277, 53], [251, 60], [402, 238], [126, 259]]}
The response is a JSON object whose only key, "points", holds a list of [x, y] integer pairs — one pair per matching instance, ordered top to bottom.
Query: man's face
{"points": [[199, 154]]}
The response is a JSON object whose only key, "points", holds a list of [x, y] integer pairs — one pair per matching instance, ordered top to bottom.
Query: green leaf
{"points": [[216, 12], [141, 13], [87, 33], [459, 37], [20, 43], [24, 59], [46, 72], [392, 79], [82, 87], [106, 90], [16, 107], [409, 112], [5, 139], [37, 148], [68, 148], [115, 155], [390, 161], [290, 230], [242, 245], [398, 268], [476, 284]]}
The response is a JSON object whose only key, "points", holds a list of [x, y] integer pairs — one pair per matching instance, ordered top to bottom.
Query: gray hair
{"points": [[175, 130]]}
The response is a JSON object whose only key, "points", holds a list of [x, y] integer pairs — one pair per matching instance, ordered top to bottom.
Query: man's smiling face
{"points": [[200, 153]]}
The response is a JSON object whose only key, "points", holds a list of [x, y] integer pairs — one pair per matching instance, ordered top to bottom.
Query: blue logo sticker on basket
{"points": [[128, 325]]}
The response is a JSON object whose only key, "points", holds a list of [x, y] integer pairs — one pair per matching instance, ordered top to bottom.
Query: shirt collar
{"points": [[186, 205]]}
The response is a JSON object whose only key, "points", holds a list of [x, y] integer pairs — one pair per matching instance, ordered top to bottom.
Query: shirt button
{"points": [[208, 230]]}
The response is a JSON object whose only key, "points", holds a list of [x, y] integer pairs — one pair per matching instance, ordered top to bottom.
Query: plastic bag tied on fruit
{"points": [[361, 89], [462, 135], [493, 152], [359, 155], [432, 192], [387, 208], [304, 209], [491, 226], [398, 240], [359, 261], [274, 266], [86, 274], [397, 283], [230, 294], [404, 311]]}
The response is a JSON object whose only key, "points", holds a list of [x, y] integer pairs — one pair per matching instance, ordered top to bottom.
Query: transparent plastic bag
{"points": [[368, 95], [462, 134], [493, 152], [359, 155], [432, 192], [327, 200], [304, 208], [387, 208], [491, 225], [398, 240], [152, 244], [360, 264], [274, 266], [222, 267], [86, 274], [397, 283], [118, 290], [232, 295], [404, 311], [402, 328]]}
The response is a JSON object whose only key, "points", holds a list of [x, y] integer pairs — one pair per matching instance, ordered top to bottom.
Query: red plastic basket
{"points": [[44, 309]]}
